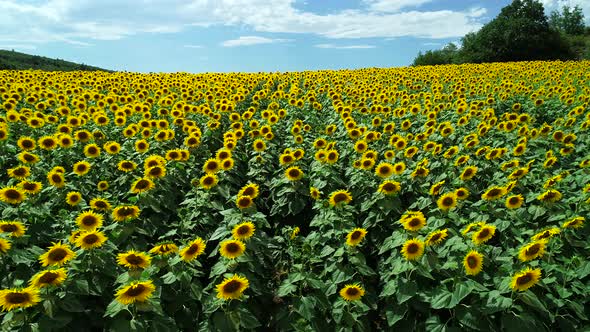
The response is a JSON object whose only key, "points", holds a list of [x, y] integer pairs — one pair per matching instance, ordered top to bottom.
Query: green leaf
{"points": [[169, 278], [286, 288], [389, 289], [406, 290], [461, 291], [444, 299], [532, 300], [306, 307], [114, 308], [395, 313], [248, 320]]}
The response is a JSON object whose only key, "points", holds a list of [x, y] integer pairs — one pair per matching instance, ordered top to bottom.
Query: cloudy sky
{"points": [[242, 35]]}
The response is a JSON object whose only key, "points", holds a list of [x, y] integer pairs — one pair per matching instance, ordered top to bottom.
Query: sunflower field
{"points": [[443, 198]]}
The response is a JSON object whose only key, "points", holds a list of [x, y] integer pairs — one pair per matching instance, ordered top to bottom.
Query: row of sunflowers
{"points": [[438, 198]]}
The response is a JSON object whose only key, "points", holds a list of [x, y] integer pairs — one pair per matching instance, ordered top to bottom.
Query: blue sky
{"points": [[242, 35]]}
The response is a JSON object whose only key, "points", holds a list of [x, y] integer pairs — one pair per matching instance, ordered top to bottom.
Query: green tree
{"points": [[569, 21], [521, 32], [446, 55]]}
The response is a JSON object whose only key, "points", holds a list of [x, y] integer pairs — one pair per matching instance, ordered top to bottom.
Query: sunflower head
{"points": [[294, 173], [208, 181], [12, 195], [340, 197], [447, 201], [244, 202], [126, 213], [13, 228], [243, 231], [485, 233], [354, 237], [436, 237], [89, 240], [232, 248], [164, 249], [193, 249], [413, 249], [57, 254], [134, 259], [473, 263], [48, 278], [525, 279], [232, 288], [136, 291], [352, 292], [11, 299]]}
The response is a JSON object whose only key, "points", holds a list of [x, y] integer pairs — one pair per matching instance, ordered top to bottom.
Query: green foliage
{"points": [[569, 21], [447, 55], [11, 60]]}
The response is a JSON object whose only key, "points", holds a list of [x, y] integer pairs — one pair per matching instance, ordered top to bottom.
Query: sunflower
{"points": [[47, 142], [26, 143], [259, 145], [141, 146], [112, 148], [91, 150], [331, 157], [28, 158], [287, 158], [227, 164], [126, 166], [211, 166], [384, 170], [420, 171], [19, 172], [155, 172], [294, 173], [468, 173], [56, 179], [208, 181], [102, 185], [142, 185], [30, 187], [389, 187], [435, 188], [251, 189], [314, 193], [462, 193], [494, 193], [12, 195], [550, 196], [340, 197], [73, 198], [447, 201], [514, 201], [244, 202], [100, 204], [125, 213], [89, 220], [413, 221], [576, 222], [14, 228], [243, 231], [295, 232], [485, 233], [546, 234], [355, 236], [436, 237], [88, 240], [5, 245], [232, 248], [164, 249], [193, 249], [413, 249], [532, 251], [57, 254], [134, 259], [473, 263], [48, 278], [525, 279], [232, 288], [136, 291], [352, 292], [11, 299]]}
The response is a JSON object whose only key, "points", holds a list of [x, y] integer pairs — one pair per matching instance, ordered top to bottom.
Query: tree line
{"points": [[521, 32]]}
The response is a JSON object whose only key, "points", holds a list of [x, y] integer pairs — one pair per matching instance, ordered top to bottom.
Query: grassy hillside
{"points": [[21, 61]]}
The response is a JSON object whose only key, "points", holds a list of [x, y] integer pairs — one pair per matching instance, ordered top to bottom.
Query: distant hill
{"points": [[21, 61]]}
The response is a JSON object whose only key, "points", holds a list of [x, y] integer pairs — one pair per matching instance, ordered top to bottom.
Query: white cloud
{"points": [[393, 5], [551, 5], [75, 21], [251, 40], [193, 46], [345, 47]]}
